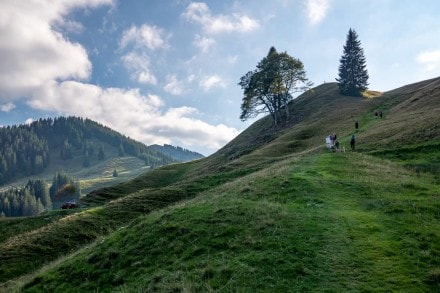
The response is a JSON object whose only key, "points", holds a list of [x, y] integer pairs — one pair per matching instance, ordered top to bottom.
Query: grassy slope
{"points": [[98, 175], [270, 211], [302, 224]]}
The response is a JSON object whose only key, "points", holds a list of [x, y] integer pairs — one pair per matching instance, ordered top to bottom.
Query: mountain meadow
{"points": [[50, 161], [272, 211]]}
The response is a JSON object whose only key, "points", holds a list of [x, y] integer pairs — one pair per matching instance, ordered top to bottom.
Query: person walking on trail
{"points": [[356, 125], [334, 137], [352, 142]]}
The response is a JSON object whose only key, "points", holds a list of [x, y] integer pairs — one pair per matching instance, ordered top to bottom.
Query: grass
{"points": [[98, 175], [272, 211], [307, 224], [48, 242]]}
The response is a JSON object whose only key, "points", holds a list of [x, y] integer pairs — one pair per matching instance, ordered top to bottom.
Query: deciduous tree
{"points": [[270, 87]]}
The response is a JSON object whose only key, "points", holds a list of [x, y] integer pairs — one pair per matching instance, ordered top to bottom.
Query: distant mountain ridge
{"points": [[28, 149], [177, 152]]}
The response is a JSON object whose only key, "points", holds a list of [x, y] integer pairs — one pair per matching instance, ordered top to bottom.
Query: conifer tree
{"points": [[353, 75], [101, 154]]}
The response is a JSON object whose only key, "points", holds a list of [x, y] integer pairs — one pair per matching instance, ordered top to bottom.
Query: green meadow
{"points": [[272, 211]]}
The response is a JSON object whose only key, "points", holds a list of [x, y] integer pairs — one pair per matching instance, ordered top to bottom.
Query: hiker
{"points": [[380, 114], [356, 125], [334, 137], [328, 141], [352, 142], [337, 145]]}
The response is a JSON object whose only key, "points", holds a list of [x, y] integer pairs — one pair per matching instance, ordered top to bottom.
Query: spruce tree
{"points": [[353, 75], [101, 154]]}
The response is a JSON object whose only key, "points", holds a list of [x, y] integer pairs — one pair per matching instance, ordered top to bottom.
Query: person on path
{"points": [[356, 125], [334, 137], [352, 142], [337, 145]]}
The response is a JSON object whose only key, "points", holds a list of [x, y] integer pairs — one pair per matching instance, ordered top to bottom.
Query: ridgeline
{"points": [[92, 154], [273, 210]]}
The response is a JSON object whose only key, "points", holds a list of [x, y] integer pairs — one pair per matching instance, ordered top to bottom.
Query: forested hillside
{"points": [[28, 149], [177, 152], [37, 197]]}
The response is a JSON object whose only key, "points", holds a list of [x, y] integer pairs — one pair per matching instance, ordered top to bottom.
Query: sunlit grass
{"points": [[273, 211], [302, 224]]}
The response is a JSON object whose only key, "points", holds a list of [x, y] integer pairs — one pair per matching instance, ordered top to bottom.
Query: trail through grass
{"points": [[327, 222]]}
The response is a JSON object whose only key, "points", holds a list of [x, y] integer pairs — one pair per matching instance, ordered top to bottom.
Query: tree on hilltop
{"points": [[353, 75], [270, 86]]}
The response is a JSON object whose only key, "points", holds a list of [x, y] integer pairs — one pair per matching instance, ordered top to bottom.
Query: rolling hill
{"points": [[81, 147], [272, 211]]}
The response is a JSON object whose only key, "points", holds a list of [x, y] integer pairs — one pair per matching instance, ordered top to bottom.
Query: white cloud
{"points": [[317, 10], [199, 12], [71, 26], [146, 36], [204, 43], [32, 51], [431, 59], [137, 61], [41, 65], [139, 65], [191, 77], [212, 81], [174, 86], [7, 107], [134, 114], [29, 121], [193, 132]]}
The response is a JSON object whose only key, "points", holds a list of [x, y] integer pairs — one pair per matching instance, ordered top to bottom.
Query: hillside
{"points": [[84, 149], [177, 153], [273, 210]]}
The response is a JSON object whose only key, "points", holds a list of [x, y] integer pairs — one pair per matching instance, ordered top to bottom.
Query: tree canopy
{"points": [[353, 75], [270, 86]]}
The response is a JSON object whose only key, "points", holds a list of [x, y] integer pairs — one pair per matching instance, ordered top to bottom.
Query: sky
{"points": [[166, 71]]}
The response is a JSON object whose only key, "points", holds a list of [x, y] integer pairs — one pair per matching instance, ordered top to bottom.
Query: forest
{"points": [[27, 149], [37, 197]]}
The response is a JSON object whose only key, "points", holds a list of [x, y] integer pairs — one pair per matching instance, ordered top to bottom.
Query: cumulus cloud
{"points": [[317, 10], [199, 12], [145, 36], [140, 41], [204, 43], [32, 52], [431, 59], [39, 64], [139, 65], [211, 81], [173, 85], [7, 107], [132, 113], [29, 121]]}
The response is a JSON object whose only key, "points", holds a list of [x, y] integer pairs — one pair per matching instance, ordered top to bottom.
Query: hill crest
{"points": [[273, 210]]}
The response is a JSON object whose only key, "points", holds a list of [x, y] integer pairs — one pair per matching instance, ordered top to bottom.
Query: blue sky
{"points": [[167, 71]]}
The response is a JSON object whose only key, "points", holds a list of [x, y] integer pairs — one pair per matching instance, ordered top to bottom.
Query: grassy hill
{"points": [[86, 150], [98, 175], [271, 211]]}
